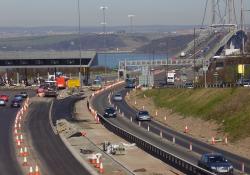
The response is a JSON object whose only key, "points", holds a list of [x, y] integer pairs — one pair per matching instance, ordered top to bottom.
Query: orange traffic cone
{"points": [[97, 120], [186, 129], [21, 138], [17, 139], [213, 141], [226, 141], [18, 144], [21, 152], [25, 152], [25, 162], [97, 165], [101, 169], [31, 171], [37, 171]]}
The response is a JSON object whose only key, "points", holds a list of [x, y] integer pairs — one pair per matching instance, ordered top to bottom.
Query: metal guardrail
{"points": [[171, 159]]}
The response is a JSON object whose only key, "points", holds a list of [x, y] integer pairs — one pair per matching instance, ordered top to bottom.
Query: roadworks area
{"points": [[87, 140]]}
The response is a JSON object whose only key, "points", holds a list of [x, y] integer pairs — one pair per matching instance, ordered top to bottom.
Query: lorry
{"points": [[171, 78]]}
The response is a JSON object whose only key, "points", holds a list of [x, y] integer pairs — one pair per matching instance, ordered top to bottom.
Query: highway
{"points": [[100, 102], [52, 151], [8, 160]]}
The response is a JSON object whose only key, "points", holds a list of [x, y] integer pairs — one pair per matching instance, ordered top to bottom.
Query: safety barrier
{"points": [[171, 159]]}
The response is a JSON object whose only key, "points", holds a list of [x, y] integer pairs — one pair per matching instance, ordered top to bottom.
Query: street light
{"points": [[103, 8], [131, 22], [80, 44]]}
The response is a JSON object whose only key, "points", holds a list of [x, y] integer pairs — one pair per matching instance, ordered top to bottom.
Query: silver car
{"points": [[118, 97], [143, 116]]}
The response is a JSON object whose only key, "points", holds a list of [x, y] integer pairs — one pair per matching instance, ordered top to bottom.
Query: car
{"points": [[246, 83], [189, 85], [24, 94], [4, 97], [18, 97], [118, 97], [2, 102], [15, 103], [109, 112], [143, 116], [216, 163]]}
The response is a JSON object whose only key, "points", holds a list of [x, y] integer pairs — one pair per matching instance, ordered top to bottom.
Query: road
{"points": [[181, 139], [52, 151], [8, 160]]}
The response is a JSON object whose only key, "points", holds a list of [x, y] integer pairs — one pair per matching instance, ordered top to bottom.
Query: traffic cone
{"points": [[97, 120], [19, 125], [15, 126], [186, 129], [15, 132], [21, 138], [17, 139], [213, 141], [226, 141], [18, 144], [21, 152], [25, 152], [25, 162], [97, 165], [101, 169], [37, 170], [30, 171]]}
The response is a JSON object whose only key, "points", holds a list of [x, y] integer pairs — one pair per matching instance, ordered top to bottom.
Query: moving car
{"points": [[246, 83], [189, 85], [24, 94], [4, 97], [18, 97], [118, 97], [2, 102], [15, 103], [109, 112], [143, 116], [215, 163]]}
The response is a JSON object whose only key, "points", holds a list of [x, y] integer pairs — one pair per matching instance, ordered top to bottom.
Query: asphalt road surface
{"points": [[200, 147], [51, 149], [8, 160]]}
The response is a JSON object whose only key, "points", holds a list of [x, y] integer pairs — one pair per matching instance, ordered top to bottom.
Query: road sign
{"points": [[73, 83]]}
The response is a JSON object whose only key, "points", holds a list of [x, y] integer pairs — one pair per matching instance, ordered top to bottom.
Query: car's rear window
{"points": [[143, 113]]}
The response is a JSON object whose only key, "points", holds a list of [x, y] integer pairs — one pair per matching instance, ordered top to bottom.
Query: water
{"points": [[114, 58]]}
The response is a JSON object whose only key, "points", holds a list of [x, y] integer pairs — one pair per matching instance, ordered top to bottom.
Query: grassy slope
{"points": [[230, 107]]}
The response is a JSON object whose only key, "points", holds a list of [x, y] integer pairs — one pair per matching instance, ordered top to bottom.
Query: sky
{"points": [[32, 13]]}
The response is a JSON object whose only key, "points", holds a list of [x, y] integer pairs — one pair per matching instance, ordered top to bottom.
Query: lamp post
{"points": [[103, 8], [131, 22], [80, 44], [194, 55]]}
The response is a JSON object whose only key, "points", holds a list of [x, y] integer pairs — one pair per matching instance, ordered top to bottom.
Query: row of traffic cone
{"points": [[97, 163]]}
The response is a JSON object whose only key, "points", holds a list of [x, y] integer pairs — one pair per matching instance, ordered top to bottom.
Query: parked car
{"points": [[246, 83], [24, 94], [4, 97], [18, 97], [118, 97], [2, 102], [15, 103], [109, 112], [143, 116], [215, 163]]}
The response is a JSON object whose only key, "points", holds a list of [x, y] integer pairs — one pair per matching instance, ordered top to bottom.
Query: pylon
{"points": [[156, 113], [97, 120], [19, 125], [186, 129], [15, 132], [17, 138], [21, 138], [213, 141], [226, 141], [18, 144], [190, 147], [21, 152], [25, 152], [25, 162], [97, 165], [101, 169], [37, 170], [31, 171]]}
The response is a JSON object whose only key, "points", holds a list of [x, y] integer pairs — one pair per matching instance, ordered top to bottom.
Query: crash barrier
{"points": [[226, 85], [22, 151], [173, 160]]}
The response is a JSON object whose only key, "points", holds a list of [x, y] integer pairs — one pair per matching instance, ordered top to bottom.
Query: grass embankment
{"points": [[229, 107]]}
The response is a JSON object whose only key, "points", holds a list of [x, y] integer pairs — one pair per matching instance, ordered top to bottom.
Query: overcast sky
{"points": [[28, 13]]}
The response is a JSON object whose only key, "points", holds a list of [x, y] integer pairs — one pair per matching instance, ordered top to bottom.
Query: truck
{"points": [[171, 78], [61, 82]]}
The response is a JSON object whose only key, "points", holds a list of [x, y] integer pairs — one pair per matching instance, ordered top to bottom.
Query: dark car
{"points": [[24, 94], [18, 97], [15, 103], [109, 112], [143, 116], [215, 163]]}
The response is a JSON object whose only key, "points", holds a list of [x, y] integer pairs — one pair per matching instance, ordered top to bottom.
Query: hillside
{"points": [[229, 108]]}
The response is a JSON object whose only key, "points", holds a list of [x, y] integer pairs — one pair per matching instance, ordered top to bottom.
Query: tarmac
{"points": [[131, 161]]}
